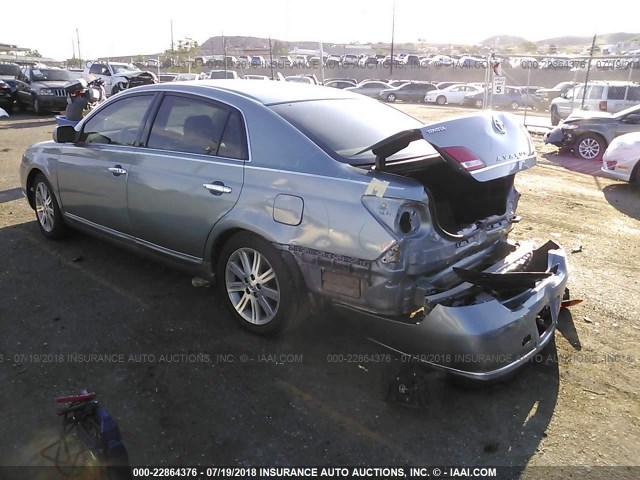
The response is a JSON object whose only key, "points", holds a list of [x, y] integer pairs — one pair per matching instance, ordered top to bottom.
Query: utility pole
{"points": [[393, 31], [73, 46], [172, 51], [79, 54], [224, 55], [271, 57], [586, 78]]}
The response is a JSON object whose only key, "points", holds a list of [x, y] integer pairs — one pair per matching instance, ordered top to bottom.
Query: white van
{"points": [[598, 96]]}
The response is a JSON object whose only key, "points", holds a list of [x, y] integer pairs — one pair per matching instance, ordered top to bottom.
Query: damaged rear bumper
{"points": [[475, 331]]}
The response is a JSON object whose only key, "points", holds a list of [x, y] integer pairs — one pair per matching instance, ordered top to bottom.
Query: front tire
{"points": [[118, 87], [391, 98], [441, 100], [478, 103], [515, 105], [37, 106], [555, 117], [590, 147], [48, 213], [256, 284]]}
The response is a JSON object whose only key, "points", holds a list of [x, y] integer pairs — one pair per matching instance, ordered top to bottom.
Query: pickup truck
{"points": [[118, 76]]}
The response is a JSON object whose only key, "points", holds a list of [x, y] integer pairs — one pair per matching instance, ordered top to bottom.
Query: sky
{"points": [[137, 28]]}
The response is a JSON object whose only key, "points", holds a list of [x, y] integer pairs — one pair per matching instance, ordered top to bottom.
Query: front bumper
{"points": [[52, 102], [555, 137], [625, 176], [476, 334]]}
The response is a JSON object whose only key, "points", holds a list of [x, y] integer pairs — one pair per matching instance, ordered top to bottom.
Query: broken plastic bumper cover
{"points": [[485, 327]]}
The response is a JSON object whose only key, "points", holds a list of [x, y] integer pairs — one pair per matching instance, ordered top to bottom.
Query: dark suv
{"points": [[42, 88], [8, 89]]}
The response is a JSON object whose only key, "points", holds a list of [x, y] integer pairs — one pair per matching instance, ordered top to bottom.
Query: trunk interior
{"points": [[458, 199]]}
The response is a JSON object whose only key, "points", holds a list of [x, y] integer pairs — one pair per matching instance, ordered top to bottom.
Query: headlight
{"points": [[46, 91], [570, 126]]}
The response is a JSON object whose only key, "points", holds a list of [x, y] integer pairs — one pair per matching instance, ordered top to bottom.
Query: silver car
{"points": [[288, 193]]}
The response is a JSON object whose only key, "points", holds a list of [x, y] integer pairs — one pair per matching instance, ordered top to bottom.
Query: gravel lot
{"points": [[190, 388]]}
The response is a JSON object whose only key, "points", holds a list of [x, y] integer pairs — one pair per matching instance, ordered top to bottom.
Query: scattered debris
{"points": [[577, 250], [78, 259], [199, 282], [587, 319], [409, 388], [593, 391], [491, 447]]}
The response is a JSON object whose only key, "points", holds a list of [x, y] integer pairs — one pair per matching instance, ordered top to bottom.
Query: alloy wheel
{"points": [[589, 148], [44, 207], [252, 286]]}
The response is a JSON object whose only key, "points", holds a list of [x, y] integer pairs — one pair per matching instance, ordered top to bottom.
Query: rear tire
{"points": [[478, 104], [515, 105], [634, 178], [256, 284]]}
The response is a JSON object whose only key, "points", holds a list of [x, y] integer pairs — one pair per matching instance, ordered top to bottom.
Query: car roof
{"points": [[267, 93]]}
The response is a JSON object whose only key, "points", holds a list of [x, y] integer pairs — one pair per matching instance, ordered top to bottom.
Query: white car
{"points": [[441, 61], [117, 76], [452, 94], [621, 160]]}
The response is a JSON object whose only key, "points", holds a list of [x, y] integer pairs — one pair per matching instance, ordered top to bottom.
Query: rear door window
{"points": [[595, 92], [191, 125]]}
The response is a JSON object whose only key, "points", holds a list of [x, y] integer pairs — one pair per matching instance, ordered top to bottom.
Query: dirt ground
{"points": [[193, 389]]}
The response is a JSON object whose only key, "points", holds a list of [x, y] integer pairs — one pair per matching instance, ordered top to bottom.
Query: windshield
{"points": [[123, 68], [40, 75], [186, 76], [627, 111], [345, 127]]}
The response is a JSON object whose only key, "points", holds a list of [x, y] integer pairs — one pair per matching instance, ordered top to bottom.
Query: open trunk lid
{"points": [[488, 145]]}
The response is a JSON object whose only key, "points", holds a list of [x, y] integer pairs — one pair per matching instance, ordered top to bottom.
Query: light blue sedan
{"points": [[291, 195]]}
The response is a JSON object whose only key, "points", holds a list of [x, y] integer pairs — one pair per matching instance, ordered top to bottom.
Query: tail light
{"points": [[603, 106], [465, 157], [399, 216]]}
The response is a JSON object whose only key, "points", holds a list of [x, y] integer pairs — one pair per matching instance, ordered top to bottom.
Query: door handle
{"points": [[117, 170], [217, 188]]}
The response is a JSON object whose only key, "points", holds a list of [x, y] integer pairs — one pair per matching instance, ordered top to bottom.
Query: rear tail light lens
{"points": [[603, 106], [465, 157], [399, 216]]}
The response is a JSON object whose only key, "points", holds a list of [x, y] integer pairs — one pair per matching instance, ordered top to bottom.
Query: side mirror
{"points": [[64, 134]]}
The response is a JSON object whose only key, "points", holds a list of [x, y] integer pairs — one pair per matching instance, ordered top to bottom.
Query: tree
{"points": [[527, 47], [187, 48], [279, 48], [34, 53]]}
